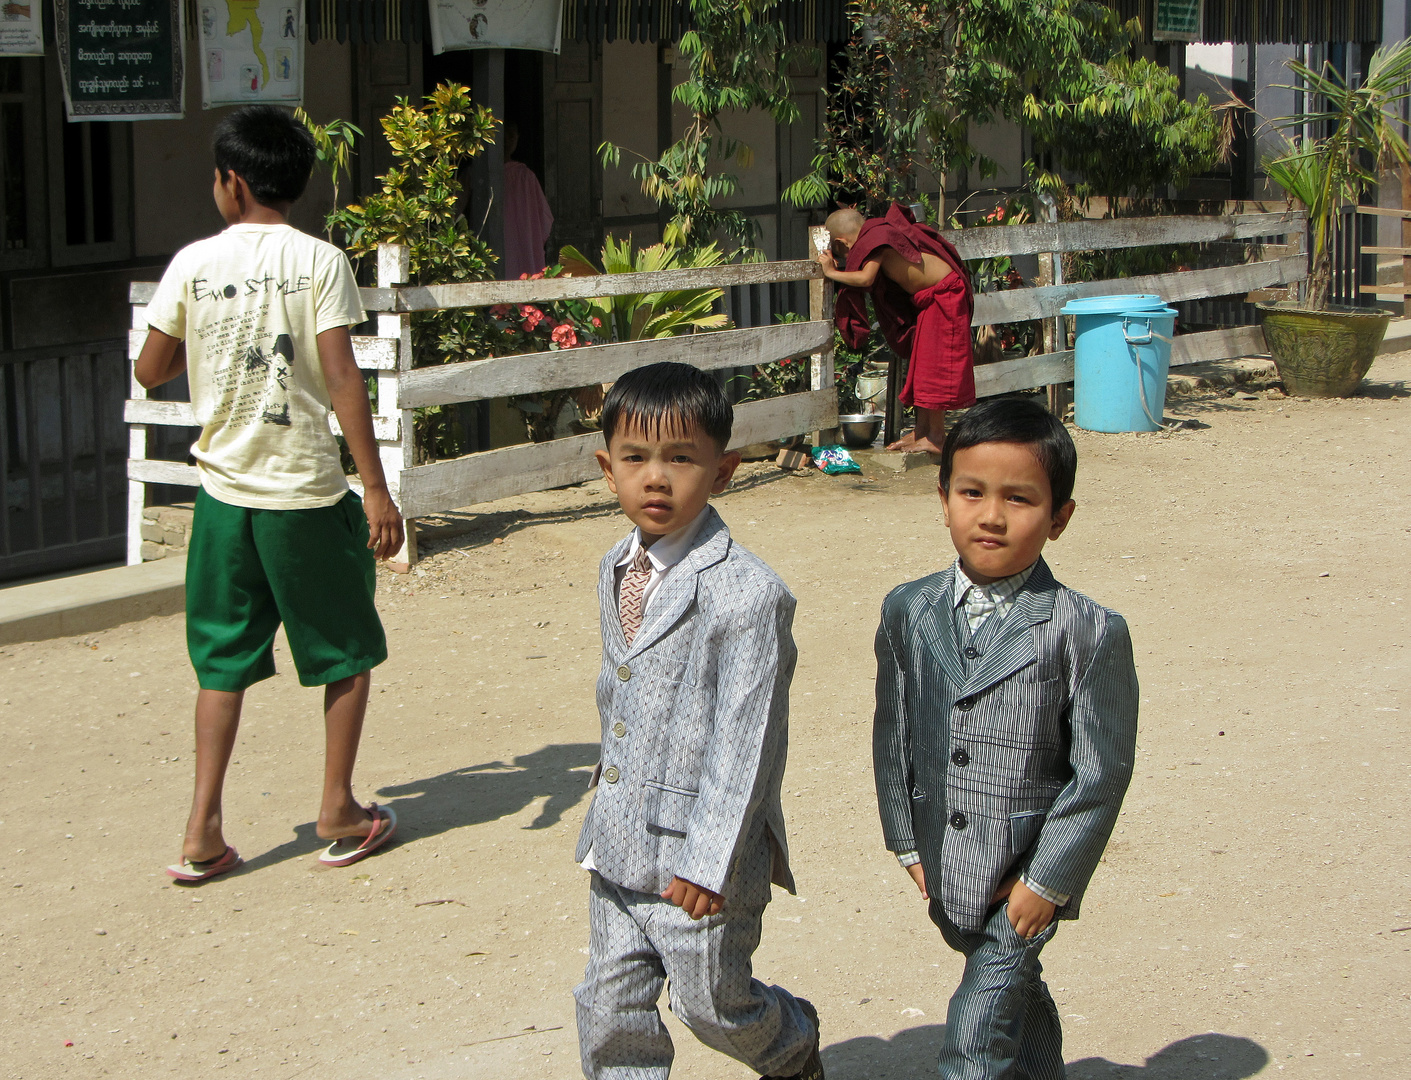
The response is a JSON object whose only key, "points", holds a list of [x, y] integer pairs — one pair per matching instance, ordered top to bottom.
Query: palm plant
{"points": [[1364, 136], [650, 315]]}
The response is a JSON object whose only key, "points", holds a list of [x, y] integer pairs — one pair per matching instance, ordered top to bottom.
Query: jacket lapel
{"points": [[678, 589], [933, 625], [613, 638], [1012, 647]]}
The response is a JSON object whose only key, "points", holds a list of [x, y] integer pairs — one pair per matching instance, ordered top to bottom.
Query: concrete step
{"points": [[84, 603]]}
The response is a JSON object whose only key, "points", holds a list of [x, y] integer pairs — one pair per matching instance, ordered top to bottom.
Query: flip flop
{"points": [[384, 824], [190, 871]]}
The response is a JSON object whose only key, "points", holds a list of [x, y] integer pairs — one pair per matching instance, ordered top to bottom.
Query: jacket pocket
{"points": [[667, 809], [1024, 829]]}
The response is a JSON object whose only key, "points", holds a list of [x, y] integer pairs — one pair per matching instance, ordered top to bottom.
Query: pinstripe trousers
{"points": [[636, 942], [1002, 1023]]}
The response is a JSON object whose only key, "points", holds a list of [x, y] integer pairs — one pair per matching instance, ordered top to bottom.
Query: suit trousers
{"points": [[637, 941], [1002, 1023]]}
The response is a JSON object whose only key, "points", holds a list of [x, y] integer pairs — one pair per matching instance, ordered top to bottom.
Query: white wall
{"points": [[630, 120]]}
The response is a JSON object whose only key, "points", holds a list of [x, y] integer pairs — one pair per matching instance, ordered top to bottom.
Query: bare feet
{"points": [[909, 443], [349, 820], [204, 839]]}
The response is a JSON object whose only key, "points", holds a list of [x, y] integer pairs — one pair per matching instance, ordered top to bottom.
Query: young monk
{"points": [[923, 299]]}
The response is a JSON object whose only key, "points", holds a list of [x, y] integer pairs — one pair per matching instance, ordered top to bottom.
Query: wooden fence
{"points": [[440, 486]]}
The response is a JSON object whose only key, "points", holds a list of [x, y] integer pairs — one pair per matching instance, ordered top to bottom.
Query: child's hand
{"points": [[826, 260], [384, 523], [919, 876], [692, 899], [1029, 913]]}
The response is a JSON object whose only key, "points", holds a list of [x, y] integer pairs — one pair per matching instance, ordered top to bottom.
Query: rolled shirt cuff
{"points": [[908, 858], [1057, 899]]}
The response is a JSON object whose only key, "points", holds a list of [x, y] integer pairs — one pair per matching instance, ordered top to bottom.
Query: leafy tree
{"points": [[738, 61], [918, 74], [333, 143]]}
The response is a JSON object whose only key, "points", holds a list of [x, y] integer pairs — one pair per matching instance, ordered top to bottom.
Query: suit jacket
{"points": [[695, 725], [1014, 761]]}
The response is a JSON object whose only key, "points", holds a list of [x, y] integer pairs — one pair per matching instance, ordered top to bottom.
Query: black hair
{"points": [[267, 148], [668, 396], [1017, 420]]}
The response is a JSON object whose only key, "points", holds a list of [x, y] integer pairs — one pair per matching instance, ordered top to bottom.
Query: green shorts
{"points": [[247, 571]]}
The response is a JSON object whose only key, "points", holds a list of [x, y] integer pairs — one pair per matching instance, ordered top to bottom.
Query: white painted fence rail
{"points": [[436, 487]]}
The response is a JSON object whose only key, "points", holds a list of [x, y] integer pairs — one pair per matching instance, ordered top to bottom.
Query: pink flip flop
{"points": [[384, 824], [187, 870]]}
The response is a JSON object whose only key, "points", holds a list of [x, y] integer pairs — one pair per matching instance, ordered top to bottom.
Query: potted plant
{"points": [[1322, 349]]}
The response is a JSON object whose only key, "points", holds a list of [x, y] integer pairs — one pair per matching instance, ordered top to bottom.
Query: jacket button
{"points": [[972, 653], [624, 673], [965, 704], [619, 729], [961, 758], [610, 775], [957, 819]]}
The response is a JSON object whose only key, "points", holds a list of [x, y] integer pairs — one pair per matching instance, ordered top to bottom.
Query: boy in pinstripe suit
{"points": [[1004, 735], [685, 832]]}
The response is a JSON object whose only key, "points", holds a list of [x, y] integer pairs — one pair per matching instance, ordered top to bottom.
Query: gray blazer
{"points": [[695, 717], [1013, 761]]}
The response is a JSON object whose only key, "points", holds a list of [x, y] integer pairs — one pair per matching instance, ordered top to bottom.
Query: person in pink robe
{"points": [[528, 218]]}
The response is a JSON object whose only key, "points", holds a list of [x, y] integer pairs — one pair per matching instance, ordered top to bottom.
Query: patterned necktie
{"points": [[629, 603]]}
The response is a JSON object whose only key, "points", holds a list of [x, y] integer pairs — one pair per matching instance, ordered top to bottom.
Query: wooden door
{"points": [[573, 176]]}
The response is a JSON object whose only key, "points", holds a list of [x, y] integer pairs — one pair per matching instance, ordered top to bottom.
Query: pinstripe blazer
{"points": [[695, 725], [1014, 761]]}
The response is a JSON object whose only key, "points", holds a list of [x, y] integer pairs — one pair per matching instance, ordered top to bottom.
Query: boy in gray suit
{"points": [[1004, 736], [686, 831]]}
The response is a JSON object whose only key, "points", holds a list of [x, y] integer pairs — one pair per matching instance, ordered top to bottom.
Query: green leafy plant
{"points": [[738, 61], [1365, 134], [333, 143], [649, 315]]}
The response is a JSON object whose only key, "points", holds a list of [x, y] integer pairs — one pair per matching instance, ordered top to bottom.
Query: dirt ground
{"points": [[1253, 915]]}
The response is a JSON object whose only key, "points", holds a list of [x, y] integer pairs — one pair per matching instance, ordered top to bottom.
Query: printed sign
{"points": [[1178, 20], [496, 24], [21, 28], [251, 50], [121, 59]]}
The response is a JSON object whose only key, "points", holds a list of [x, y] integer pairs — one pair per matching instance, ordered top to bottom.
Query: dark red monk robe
{"points": [[931, 330]]}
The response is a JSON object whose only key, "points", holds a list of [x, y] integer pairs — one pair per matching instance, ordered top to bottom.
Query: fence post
{"points": [[393, 269], [820, 308], [1055, 337], [136, 438]]}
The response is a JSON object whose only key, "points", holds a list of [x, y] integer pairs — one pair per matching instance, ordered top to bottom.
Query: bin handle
{"points": [[1144, 340]]}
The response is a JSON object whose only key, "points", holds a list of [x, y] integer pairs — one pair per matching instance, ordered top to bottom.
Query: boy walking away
{"points": [[922, 295], [258, 317], [1004, 736], [686, 831]]}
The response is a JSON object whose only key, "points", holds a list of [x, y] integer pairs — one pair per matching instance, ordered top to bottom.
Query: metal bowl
{"points": [[860, 429]]}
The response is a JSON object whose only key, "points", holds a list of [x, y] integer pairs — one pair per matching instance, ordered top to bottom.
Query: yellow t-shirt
{"points": [[249, 303]]}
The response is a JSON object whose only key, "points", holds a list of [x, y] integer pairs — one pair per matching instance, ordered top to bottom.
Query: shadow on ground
{"points": [[476, 794], [912, 1053]]}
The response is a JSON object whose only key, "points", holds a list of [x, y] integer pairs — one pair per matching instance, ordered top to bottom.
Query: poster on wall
{"points": [[1178, 20], [496, 24], [21, 28], [251, 50], [121, 59]]}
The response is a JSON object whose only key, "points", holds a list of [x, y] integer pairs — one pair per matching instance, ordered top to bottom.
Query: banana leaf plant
{"points": [[1364, 135], [650, 315]]}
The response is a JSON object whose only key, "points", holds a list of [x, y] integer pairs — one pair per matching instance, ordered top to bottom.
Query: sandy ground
{"points": [[1253, 915]]}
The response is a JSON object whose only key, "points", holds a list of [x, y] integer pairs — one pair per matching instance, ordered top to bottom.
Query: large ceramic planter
{"points": [[1322, 353]]}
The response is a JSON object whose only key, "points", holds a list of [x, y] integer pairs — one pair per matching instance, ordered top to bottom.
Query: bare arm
{"points": [[862, 279], [162, 359], [348, 393]]}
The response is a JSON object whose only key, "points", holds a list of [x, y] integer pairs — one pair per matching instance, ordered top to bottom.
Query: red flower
{"points": [[999, 214], [524, 277], [537, 277], [501, 311], [532, 317], [597, 322], [563, 336]]}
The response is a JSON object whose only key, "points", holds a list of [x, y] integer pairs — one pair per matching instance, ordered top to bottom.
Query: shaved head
{"points": [[844, 224]]}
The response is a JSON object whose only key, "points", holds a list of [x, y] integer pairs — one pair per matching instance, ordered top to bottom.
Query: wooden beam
{"points": [[1382, 211], [1063, 236], [1372, 250], [1402, 289], [545, 290], [141, 292], [1021, 305], [375, 353], [1027, 372], [529, 373], [179, 414], [514, 470], [152, 471]]}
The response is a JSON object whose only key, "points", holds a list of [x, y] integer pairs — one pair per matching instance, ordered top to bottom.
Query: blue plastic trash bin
{"points": [[1122, 352]]}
